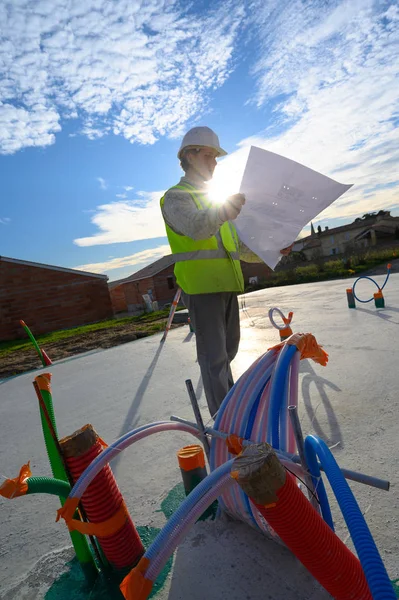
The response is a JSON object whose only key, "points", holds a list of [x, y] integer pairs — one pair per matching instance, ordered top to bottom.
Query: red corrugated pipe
{"points": [[101, 501], [317, 547]]}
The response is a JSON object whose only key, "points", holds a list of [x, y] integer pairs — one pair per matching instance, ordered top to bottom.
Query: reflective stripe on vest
{"points": [[205, 255], [209, 265]]}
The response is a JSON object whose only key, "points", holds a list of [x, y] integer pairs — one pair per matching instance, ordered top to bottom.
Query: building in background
{"points": [[371, 230], [158, 281], [49, 298]]}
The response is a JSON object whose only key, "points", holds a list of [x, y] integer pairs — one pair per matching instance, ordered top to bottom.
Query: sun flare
{"points": [[225, 183]]}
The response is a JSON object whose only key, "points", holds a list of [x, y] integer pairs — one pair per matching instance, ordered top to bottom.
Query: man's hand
{"points": [[231, 207], [286, 251]]}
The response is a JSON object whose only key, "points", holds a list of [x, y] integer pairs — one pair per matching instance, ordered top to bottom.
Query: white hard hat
{"points": [[201, 136]]}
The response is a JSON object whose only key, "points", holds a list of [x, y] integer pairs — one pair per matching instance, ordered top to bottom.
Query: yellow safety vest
{"points": [[205, 266]]}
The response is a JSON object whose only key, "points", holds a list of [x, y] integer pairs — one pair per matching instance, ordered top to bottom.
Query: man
{"points": [[206, 249]]}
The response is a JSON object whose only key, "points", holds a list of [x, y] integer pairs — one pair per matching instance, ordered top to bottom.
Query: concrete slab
{"points": [[352, 404]]}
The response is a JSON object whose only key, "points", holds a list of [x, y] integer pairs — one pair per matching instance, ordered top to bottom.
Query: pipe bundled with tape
{"points": [[256, 409], [274, 494], [108, 516]]}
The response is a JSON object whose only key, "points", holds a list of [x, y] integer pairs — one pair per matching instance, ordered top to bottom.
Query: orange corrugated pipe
{"points": [[315, 544]]}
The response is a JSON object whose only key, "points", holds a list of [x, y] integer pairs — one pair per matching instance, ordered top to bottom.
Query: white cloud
{"points": [[339, 66], [139, 69], [328, 71], [21, 128], [93, 132], [102, 182], [128, 188], [121, 195], [127, 220], [138, 260]]}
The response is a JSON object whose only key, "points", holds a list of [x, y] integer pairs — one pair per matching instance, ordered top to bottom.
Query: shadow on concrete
{"points": [[380, 312], [188, 337], [200, 388], [312, 404], [132, 417], [220, 561], [62, 573]]}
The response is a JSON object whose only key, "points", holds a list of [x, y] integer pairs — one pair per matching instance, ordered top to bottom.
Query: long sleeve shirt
{"points": [[183, 217]]}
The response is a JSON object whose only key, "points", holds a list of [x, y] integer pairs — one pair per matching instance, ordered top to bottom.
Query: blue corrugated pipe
{"points": [[370, 559]]}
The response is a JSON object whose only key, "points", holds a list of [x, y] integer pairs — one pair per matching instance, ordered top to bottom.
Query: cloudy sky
{"points": [[96, 94]]}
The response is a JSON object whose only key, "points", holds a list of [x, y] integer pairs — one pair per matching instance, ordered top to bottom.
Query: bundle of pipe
{"points": [[256, 409], [274, 494]]}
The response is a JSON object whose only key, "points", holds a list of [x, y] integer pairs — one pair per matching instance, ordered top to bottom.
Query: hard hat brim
{"points": [[219, 150]]}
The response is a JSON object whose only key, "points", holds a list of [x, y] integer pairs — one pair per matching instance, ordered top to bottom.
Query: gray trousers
{"points": [[216, 321]]}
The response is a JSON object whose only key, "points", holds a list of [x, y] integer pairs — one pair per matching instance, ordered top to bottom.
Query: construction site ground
{"points": [[352, 404]]}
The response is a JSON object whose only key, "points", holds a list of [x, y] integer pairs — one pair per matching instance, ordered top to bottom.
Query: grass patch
{"points": [[332, 269], [308, 272], [150, 323]]}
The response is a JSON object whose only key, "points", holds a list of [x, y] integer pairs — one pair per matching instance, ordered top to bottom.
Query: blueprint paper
{"points": [[282, 196]]}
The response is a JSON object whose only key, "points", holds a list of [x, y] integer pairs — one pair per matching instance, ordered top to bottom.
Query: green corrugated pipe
{"points": [[34, 342], [47, 485], [79, 541]]}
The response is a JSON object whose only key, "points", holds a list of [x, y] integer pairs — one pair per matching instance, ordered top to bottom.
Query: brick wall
{"points": [[259, 270], [162, 292], [134, 294], [128, 297], [48, 299], [118, 299]]}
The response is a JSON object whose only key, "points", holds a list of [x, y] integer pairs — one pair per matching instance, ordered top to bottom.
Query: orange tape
{"points": [[287, 320], [285, 333], [307, 346], [44, 382], [234, 444], [191, 457], [12, 488], [104, 529], [135, 586]]}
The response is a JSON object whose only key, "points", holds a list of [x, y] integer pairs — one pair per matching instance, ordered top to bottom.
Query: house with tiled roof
{"points": [[371, 230], [156, 280]]}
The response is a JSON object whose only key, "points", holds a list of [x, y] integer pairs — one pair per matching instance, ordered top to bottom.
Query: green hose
{"points": [[34, 342], [56, 463], [47, 485], [79, 541]]}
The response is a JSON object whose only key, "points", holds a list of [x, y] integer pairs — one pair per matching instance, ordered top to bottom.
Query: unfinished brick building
{"points": [[158, 279], [49, 298]]}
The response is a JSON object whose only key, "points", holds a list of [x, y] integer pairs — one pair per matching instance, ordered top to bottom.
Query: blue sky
{"points": [[96, 94]]}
